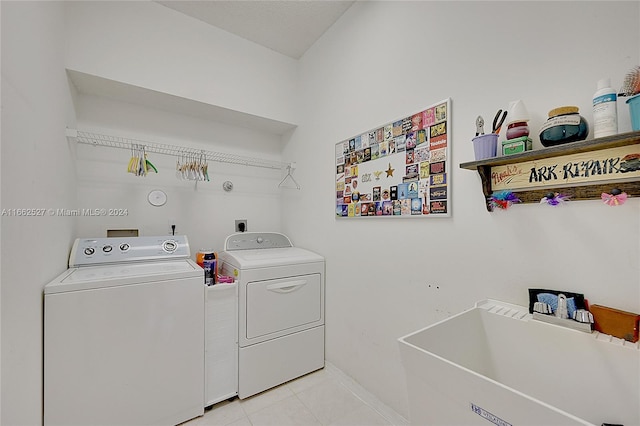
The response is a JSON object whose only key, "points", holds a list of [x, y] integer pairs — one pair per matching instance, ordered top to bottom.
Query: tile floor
{"points": [[325, 397]]}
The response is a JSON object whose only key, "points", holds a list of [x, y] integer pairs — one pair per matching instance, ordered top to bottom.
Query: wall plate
{"points": [[157, 198]]}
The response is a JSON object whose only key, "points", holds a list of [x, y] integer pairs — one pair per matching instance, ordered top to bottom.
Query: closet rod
{"points": [[97, 139]]}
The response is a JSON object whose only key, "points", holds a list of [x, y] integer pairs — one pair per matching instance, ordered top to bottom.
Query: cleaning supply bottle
{"points": [[605, 110], [200, 256], [209, 268]]}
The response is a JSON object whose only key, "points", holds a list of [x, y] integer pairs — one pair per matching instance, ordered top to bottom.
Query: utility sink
{"points": [[495, 363]]}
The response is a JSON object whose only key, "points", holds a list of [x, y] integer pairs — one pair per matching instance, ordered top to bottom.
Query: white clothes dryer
{"points": [[280, 306], [124, 334]]}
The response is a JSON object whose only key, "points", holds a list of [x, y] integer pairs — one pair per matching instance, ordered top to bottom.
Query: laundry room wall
{"points": [[147, 45], [156, 54], [379, 62], [216, 91], [38, 173], [201, 210], [387, 277]]}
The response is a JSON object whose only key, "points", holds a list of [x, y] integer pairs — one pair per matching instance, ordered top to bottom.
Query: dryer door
{"points": [[282, 306]]}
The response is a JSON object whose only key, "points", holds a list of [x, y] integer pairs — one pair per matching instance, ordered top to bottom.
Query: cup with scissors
{"points": [[498, 121]]}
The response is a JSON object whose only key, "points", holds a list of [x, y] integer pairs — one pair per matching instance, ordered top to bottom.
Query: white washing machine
{"points": [[280, 308], [124, 334]]}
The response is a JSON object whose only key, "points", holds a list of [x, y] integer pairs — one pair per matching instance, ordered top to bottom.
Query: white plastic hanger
{"points": [[290, 168]]}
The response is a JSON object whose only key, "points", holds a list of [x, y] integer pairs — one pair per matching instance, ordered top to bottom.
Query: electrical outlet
{"points": [[241, 225], [173, 227]]}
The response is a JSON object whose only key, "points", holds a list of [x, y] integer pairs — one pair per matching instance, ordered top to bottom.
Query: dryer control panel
{"points": [[256, 240], [97, 251]]}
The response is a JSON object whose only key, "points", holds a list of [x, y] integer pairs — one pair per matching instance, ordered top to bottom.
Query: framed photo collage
{"points": [[400, 169]]}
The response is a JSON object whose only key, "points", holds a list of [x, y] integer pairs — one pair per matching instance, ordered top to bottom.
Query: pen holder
{"points": [[485, 146]]}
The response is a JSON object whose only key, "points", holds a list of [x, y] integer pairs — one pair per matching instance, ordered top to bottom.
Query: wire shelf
{"points": [[97, 139]]}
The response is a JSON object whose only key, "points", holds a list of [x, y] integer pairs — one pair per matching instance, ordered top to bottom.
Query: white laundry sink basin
{"points": [[495, 363]]}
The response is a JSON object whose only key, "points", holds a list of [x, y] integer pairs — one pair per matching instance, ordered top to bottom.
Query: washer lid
{"points": [[262, 258], [94, 277]]}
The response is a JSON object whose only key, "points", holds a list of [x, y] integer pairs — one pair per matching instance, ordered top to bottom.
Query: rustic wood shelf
{"points": [[577, 191]]}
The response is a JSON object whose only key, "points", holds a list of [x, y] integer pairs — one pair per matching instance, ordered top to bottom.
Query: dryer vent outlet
{"points": [[241, 225]]}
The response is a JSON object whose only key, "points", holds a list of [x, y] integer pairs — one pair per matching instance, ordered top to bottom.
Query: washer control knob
{"points": [[259, 240], [169, 246], [124, 247], [107, 249], [89, 251]]}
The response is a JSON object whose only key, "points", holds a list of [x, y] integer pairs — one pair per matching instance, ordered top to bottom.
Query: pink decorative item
{"points": [[616, 197]]}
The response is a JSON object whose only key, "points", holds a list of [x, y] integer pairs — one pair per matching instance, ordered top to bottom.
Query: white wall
{"points": [[145, 44], [162, 51], [382, 60], [386, 60], [37, 172], [202, 211], [0, 258]]}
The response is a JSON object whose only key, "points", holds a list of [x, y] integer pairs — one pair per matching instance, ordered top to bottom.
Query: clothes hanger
{"points": [[290, 168]]}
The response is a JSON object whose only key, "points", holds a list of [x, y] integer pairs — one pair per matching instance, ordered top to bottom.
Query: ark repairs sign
{"points": [[621, 163]]}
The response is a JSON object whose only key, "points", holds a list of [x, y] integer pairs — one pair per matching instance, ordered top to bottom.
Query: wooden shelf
{"points": [[577, 191]]}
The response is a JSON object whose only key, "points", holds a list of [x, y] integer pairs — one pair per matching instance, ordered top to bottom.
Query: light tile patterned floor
{"points": [[325, 397]]}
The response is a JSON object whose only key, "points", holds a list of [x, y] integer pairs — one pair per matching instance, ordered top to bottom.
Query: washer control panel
{"points": [[256, 240], [96, 251]]}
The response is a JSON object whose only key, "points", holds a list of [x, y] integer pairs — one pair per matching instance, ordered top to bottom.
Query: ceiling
{"points": [[289, 27]]}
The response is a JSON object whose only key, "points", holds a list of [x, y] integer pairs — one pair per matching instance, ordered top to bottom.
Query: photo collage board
{"points": [[400, 169]]}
